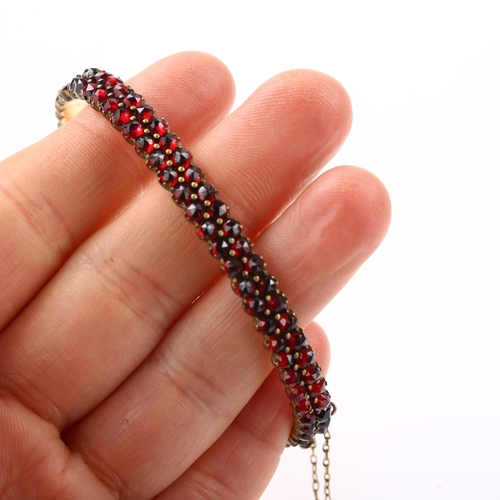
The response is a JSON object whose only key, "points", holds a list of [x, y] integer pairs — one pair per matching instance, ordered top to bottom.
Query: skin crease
{"points": [[127, 366]]}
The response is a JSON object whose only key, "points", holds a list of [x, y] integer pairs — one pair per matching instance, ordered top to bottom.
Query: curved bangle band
{"points": [[291, 354]]}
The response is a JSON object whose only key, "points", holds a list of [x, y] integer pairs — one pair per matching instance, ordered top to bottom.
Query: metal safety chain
{"points": [[314, 462], [326, 465]]}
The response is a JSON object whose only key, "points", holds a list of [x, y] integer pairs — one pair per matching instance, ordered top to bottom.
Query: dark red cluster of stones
{"points": [[262, 299]]}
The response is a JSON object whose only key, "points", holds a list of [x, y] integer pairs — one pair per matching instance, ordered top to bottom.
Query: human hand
{"points": [[126, 369]]}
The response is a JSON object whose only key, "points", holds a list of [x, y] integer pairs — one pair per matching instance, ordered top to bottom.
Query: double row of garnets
{"points": [[250, 280]]}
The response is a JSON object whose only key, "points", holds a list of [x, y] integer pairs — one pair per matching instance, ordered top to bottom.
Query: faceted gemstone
{"points": [[89, 73], [101, 76], [111, 81], [78, 84], [89, 88], [120, 89], [100, 95], [132, 99], [110, 106], [145, 112], [121, 117], [158, 126], [133, 130], [168, 141], [144, 144], [181, 157], [157, 159], [193, 174], [169, 176], [207, 192], [182, 193], [220, 209], [194, 210], [231, 228], [207, 230], [219, 248], [242, 248], [255, 265], [233, 267], [267, 284], [244, 287], [276, 303], [254, 305], [287, 322], [265, 324], [297, 340], [275, 342], [305, 357], [282, 360], [310, 374], [290, 378], [317, 388], [297, 393], [321, 402], [303, 406], [323, 415], [306, 419], [306, 427], [322, 427], [306, 430], [305, 437]]}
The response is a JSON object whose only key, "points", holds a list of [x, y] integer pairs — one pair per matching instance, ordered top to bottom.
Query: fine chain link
{"points": [[314, 462], [326, 465]]}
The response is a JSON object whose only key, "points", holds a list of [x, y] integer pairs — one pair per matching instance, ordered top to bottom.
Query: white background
{"points": [[415, 366]]}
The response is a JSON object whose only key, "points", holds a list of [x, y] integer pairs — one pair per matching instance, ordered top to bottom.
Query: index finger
{"points": [[59, 191]]}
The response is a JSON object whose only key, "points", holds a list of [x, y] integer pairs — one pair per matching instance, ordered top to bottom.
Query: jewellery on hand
{"points": [[262, 299]]}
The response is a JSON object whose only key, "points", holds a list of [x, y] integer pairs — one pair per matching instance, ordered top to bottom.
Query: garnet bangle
{"points": [[291, 354]]}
